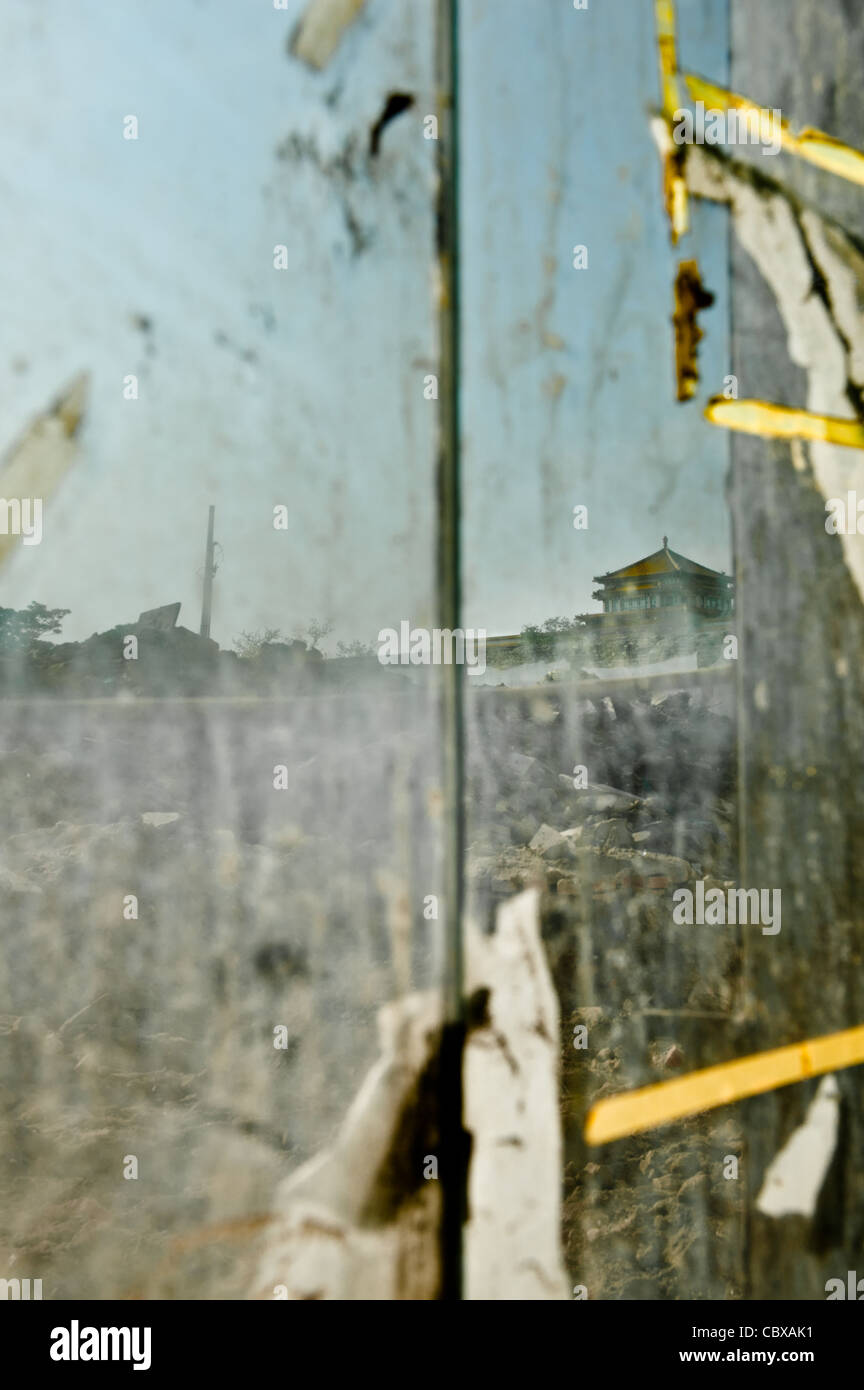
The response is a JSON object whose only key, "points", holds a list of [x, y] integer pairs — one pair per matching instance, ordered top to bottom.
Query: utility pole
{"points": [[209, 571]]}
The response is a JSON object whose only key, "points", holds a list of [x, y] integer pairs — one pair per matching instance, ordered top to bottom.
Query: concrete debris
{"points": [[163, 618], [167, 659], [594, 799], [608, 834], [550, 843]]}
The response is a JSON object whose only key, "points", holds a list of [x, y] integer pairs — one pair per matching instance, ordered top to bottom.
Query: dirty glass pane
{"points": [[663, 290], [598, 558], [409, 788], [220, 851]]}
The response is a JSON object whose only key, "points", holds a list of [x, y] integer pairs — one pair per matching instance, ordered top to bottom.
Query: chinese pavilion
{"points": [[666, 580]]}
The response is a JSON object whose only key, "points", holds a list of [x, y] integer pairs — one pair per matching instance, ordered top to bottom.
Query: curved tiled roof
{"points": [[663, 561]]}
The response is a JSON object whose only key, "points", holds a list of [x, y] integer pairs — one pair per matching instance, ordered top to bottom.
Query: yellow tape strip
{"points": [[664, 11], [813, 145], [674, 184], [784, 422], [634, 1111]]}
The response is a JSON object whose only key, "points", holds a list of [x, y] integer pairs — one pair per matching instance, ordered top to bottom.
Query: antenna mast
{"points": [[209, 571]]}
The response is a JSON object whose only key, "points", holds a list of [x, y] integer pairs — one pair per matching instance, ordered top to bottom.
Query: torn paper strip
{"points": [[794, 1180]]}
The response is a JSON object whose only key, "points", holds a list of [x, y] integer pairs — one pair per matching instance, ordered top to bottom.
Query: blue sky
{"points": [[304, 386]]}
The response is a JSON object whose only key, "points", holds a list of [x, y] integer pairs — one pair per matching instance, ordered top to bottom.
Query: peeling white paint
{"points": [[321, 28], [827, 344], [794, 1180], [513, 1240], [319, 1246]]}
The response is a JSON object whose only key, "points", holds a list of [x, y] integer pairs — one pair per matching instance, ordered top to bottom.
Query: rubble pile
{"points": [[595, 644], [154, 657], [171, 661], [646, 805], [608, 815], [168, 908], [166, 911], [145, 970]]}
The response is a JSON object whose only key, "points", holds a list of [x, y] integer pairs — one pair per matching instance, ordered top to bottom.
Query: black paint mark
{"points": [[396, 103]]}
